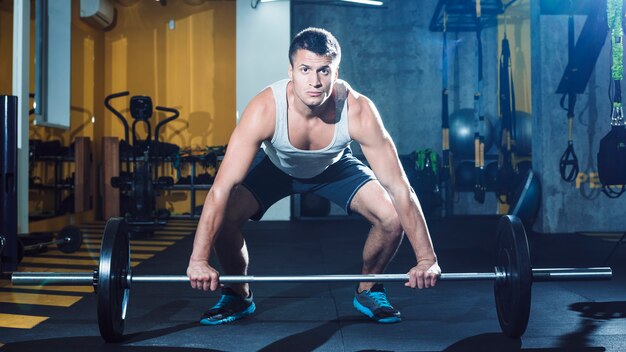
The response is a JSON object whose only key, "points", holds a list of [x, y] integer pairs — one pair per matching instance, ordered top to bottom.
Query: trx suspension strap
{"points": [[479, 117], [445, 124], [612, 153], [569, 159], [506, 162], [447, 172]]}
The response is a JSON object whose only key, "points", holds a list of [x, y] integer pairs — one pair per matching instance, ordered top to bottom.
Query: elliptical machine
{"points": [[141, 182]]}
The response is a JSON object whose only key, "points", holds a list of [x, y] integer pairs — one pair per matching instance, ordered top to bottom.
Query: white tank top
{"points": [[300, 163]]}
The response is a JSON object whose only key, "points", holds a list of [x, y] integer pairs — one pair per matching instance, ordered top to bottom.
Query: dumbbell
{"points": [[68, 240]]}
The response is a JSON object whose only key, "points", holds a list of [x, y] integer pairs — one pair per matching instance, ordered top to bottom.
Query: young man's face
{"points": [[313, 77]]}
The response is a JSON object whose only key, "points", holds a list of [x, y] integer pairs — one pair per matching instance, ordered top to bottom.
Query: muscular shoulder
{"points": [[260, 114], [362, 114]]}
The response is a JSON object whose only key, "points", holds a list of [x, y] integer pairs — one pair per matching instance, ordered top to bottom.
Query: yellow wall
{"points": [[6, 48], [190, 67]]}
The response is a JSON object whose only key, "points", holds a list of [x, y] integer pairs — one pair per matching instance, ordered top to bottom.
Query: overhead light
{"points": [[366, 2], [255, 3]]}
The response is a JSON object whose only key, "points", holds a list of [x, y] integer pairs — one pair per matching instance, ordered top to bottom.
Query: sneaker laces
{"points": [[381, 299]]}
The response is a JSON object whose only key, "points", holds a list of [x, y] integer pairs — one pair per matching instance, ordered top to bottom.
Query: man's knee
{"points": [[241, 206], [389, 223]]}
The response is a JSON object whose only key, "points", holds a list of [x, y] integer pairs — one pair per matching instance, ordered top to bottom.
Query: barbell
{"points": [[68, 240], [513, 277]]}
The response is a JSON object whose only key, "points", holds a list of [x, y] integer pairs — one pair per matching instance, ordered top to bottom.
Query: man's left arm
{"points": [[367, 129]]}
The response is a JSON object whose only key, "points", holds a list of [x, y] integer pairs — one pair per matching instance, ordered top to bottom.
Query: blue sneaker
{"points": [[375, 305], [229, 308]]}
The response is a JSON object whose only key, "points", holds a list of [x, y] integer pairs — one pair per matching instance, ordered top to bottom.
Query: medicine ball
{"points": [[462, 129]]}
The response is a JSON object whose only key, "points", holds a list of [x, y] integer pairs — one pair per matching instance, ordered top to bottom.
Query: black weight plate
{"points": [[72, 239], [512, 292], [113, 294]]}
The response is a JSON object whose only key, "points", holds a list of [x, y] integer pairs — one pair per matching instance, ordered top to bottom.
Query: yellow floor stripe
{"points": [[91, 246], [132, 247], [147, 248], [88, 254], [94, 255], [63, 261], [73, 261], [48, 270], [61, 270], [76, 289], [38, 299], [17, 321]]}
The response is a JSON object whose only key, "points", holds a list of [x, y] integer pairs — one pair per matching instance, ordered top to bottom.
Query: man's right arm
{"points": [[256, 125]]}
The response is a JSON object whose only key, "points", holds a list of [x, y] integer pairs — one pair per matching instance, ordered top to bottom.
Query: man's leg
{"points": [[263, 186], [384, 238], [230, 246], [236, 301]]}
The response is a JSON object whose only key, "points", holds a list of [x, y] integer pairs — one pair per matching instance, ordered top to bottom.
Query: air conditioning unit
{"points": [[99, 12]]}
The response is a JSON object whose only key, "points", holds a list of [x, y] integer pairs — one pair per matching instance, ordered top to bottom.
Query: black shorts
{"points": [[338, 183]]}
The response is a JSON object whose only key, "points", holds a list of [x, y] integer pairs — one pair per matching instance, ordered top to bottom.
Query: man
{"points": [[304, 126]]}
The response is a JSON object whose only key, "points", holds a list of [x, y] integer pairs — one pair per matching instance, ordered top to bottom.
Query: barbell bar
{"points": [[513, 277], [87, 279]]}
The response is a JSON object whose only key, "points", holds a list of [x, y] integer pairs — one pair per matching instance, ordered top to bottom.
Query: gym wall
{"points": [[390, 55], [579, 205]]}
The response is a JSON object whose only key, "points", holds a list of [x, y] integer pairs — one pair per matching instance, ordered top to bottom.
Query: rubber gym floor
{"points": [[454, 316]]}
